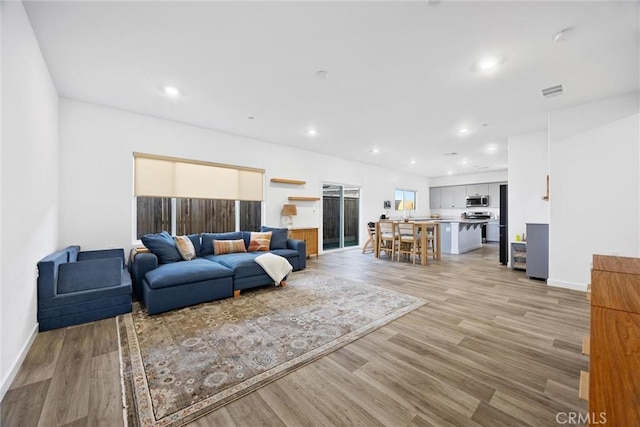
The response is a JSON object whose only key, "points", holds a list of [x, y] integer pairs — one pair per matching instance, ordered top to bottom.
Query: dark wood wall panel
{"points": [[154, 215], [204, 215], [194, 216]]}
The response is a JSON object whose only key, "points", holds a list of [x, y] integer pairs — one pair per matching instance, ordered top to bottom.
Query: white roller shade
{"points": [[156, 176]]}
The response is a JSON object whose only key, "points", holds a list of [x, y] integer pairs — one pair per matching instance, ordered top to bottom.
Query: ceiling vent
{"points": [[552, 91]]}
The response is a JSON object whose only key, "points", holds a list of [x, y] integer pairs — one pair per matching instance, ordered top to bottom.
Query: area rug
{"points": [[181, 365]]}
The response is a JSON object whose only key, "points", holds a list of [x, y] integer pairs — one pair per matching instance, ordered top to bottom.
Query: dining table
{"points": [[424, 227]]}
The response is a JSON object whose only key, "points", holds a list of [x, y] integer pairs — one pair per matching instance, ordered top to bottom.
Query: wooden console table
{"points": [[310, 237]]}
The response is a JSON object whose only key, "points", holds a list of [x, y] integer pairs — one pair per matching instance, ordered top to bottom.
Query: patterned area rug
{"points": [[181, 365]]}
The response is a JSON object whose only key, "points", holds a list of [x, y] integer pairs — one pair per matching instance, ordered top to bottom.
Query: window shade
{"points": [[156, 176]]}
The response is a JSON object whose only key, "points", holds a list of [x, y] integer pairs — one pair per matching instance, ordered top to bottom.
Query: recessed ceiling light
{"points": [[487, 63], [171, 91], [463, 130], [312, 132], [492, 148], [375, 150], [453, 153], [413, 162], [464, 162], [449, 173]]}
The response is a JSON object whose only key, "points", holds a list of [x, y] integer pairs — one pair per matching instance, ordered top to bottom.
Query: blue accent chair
{"points": [[77, 287]]}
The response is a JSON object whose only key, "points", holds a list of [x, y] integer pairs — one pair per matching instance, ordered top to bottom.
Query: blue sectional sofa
{"points": [[165, 282], [76, 287]]}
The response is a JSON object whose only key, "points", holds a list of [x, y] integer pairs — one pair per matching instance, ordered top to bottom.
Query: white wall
{"points": [[96, 145], [528, 170], [595, 186], [29, 189]]}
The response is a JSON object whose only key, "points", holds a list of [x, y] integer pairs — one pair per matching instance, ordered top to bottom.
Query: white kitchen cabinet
{"points": [[477, 189], [494, 194], [435, 196], [454, 197], [493, 231]]}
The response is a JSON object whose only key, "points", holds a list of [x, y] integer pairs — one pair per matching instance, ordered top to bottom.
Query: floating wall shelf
{"points": [[288, 181], [303, 199]]}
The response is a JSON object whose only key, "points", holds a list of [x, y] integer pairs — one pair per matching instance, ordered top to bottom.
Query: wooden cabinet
{"points": [[310, 237], [614, 348]]}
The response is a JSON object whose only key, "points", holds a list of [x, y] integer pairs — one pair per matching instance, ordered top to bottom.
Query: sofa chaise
{"points": [[165, 279], [76, 287]]}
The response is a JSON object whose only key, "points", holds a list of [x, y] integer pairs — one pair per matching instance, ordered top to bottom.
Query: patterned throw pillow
{"points": [[259, 241], [228, 246], [185, 247]]}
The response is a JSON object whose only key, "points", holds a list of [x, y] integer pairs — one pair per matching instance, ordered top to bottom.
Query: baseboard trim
{"points": [[567, 285], [8, 379]]}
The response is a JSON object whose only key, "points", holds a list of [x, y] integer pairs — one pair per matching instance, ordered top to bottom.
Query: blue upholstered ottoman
{"points": [[185, 283]]}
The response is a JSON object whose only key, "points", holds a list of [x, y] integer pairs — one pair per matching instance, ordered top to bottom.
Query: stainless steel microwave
{"points": [[477, 201]]}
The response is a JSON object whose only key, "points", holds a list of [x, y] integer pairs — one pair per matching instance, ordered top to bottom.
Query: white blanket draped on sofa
{"points": [[277, 267]]}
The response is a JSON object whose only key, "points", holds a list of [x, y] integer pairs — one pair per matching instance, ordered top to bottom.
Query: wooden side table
{"points": [[310, 237], [614, 362]]}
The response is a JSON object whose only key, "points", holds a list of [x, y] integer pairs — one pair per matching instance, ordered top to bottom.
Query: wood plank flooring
{"points": [[491, 348]]}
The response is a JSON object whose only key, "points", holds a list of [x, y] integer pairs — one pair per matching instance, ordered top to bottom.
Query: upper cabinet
{"points": [[478, 190], [494, 195], [435, 196], [453, 197]]}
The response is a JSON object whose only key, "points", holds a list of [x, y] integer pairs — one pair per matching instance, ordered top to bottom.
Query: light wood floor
{"points": [[491, 348]]}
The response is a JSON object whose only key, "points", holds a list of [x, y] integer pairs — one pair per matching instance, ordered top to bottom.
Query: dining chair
{"points": [[371, 231], [388, 238], [409, 240], [430, 249]]}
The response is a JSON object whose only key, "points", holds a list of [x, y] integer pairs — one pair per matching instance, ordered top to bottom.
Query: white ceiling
{"points": [[403, 76]]}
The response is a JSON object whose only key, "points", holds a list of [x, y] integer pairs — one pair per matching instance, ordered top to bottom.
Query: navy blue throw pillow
{"points": [[279, 237], [163, 246]]}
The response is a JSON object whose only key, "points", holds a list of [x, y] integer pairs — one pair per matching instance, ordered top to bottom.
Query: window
{"points": [[189, 197], [405, 200], [195, 216]]}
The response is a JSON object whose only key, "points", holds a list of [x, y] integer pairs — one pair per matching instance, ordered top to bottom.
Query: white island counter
{"points": [[462, 235]]}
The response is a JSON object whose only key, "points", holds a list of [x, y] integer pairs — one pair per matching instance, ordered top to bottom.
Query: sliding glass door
{"points": [[340, 216]]}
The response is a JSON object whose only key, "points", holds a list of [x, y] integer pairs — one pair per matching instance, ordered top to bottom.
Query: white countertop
{"points": [[464, 221]]}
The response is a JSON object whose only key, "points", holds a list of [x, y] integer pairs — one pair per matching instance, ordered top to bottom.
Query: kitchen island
{"points": [[461, 235]]}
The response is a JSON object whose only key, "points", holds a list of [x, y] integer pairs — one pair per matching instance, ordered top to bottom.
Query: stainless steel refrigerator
{"points": [[503, 227]]}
